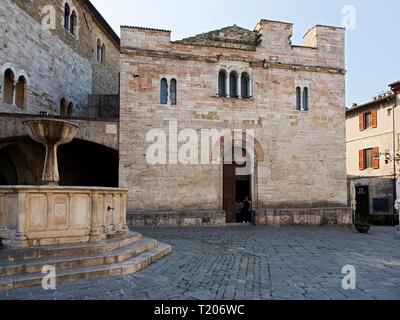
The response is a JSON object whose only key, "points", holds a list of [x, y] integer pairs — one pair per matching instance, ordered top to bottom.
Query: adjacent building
{"points": [[373, 154]]}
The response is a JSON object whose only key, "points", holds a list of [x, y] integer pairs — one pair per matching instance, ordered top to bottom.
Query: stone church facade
{"points": [[290, 97]]}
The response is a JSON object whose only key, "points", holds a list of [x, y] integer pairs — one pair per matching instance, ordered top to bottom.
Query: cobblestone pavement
{"points": [[251, 263]]}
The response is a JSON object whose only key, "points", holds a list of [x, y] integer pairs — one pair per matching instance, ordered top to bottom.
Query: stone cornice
{"points": [[215, 59]]}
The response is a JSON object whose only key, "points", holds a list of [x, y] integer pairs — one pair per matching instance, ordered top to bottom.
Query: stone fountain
{"points": [[51, 133], [50, 214], [85, 228]]}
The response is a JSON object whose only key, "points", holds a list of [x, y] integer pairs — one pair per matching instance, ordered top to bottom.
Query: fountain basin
{"points": [[51, 133], [51, 215]]}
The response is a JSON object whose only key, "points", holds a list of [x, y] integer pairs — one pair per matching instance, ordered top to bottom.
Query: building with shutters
{"points": [[373, 142]]}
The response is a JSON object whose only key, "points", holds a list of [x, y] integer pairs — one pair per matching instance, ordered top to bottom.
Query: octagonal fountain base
{"points": [[48, 215], [81, 232]]}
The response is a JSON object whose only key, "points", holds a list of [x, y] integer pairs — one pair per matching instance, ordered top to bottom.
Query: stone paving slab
{"points": [[254, 263]]}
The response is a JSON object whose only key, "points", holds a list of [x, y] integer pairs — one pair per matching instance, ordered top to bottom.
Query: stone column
{"points": [[228, 85], [239, 86], [14, 98], [125, 228], [96, 229], [20, 235]]}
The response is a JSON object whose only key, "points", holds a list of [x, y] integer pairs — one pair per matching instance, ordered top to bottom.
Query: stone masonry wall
{"points": [[57, 64], [303, 153]]}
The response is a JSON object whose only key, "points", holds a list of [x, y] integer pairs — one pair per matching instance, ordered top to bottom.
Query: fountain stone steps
{"points": [[64, 250], [118, 256], [69, 262], [129, 266]]}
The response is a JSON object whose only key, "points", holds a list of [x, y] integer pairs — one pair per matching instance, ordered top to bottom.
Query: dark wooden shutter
{"points": [[374, 116], [362, 125], [375, 158], [361, 160]]}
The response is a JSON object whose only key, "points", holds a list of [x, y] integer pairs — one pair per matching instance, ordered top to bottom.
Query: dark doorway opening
{"points": [[87, 164], [8, 173], [3, 180], [236, 189], [243, 189], [362, 199]]}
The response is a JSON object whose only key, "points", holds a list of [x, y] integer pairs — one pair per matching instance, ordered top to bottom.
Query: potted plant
{"points": [[362, 224]]}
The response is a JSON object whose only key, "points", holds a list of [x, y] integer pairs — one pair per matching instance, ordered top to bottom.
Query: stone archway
{"points": [[81, 163], [239, 180]]}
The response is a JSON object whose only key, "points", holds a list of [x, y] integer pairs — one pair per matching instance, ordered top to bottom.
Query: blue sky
{"points": [[372, 50]]}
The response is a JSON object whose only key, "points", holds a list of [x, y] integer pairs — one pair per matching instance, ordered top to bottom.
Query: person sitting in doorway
{"points": [[246, 210]]}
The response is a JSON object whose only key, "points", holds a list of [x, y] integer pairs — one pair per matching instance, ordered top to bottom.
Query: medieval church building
{"points": [[61, 59], [291, 97]]}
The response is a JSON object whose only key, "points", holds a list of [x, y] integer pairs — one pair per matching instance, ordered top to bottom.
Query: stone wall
{"points": [[56, 63], [103, 106], [100, 131], [302, 160], [309, 216], [206, 218]]}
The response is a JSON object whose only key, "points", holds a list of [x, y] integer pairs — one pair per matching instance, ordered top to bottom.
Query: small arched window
{"points": [[67, 13], [73, 22], [98, 51], [103, 54], [222, 83], [245, 85], [8, 87], [164, 91], [233, 91], [20, 92], [173, 92], [298, 98], [305, 99], [63, 107], [70, 109]]}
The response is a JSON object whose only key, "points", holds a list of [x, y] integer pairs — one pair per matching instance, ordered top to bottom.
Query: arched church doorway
{"points": [[238, 177]]}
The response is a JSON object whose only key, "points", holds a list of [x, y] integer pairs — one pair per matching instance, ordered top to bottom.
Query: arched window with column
{"points": [[67, 14], [73, 23], [98, 50], [103, 53], [233, 82], [222, 83], [245, 85], [164, 91], [20, 92], [173, 92], [8, 95], [298, 98], [305, 99], [63, 107], [70, 109]]}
